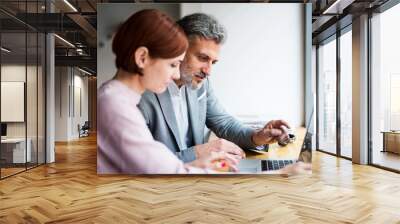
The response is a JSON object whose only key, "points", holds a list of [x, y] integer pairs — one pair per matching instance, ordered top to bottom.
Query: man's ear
{"points": [[141, 57]]}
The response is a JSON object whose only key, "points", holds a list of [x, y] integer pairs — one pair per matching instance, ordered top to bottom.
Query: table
{"points": [[391, 141], [13, 150], [275, 151]]}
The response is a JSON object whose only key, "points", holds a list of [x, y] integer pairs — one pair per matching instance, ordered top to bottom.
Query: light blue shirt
{"points": [[179, 103]]}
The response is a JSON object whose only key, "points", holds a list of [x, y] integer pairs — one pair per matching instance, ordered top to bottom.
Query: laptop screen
{"points": [[306, 153]]}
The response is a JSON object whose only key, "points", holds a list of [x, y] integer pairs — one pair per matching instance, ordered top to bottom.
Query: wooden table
{"points": [[391, 141], [13, 150], [289, 152]]}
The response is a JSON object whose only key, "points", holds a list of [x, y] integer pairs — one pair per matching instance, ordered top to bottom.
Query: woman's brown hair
{"points": [[148, 28]]}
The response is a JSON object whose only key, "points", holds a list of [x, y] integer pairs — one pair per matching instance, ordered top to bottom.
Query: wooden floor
{"points": [[387, 159], [10, 171], [70, 191]]}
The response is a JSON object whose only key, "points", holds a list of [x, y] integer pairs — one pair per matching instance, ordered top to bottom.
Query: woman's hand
{"points": [[218, 161]]}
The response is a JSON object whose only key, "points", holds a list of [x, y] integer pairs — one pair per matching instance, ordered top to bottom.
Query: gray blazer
{"points": [[204, 110]]}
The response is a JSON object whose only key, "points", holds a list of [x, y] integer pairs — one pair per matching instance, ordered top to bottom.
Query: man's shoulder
{"points": [[148, 96], [148, 101]]}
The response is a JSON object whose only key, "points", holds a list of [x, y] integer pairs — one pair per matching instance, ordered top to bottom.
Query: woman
{"points": [[149, 48]]}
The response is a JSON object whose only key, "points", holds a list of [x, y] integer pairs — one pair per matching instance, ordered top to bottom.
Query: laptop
{"points": [[259, 165]]}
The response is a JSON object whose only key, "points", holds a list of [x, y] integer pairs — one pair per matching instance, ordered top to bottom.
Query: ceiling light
{"points": [[70, 5], [338, 6], [331, 7], [64, 40], [5, 50], [84, 71]]}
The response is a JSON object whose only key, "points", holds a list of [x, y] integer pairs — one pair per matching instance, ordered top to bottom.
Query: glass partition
{"points": [[22, 89], [32, 95], [14, 154]]}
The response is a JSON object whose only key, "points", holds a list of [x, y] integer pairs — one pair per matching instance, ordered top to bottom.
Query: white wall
{"points": [[261, 69], [12, 73], [260, 74], [62, 81], [80, 103], [67, 114], [33, 126]]}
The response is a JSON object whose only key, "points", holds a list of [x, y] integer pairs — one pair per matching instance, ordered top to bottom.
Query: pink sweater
{"points": [[125, 145]]}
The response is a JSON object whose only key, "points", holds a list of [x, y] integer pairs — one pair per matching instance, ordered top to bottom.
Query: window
{"points": [[385, 88], [346, 94], [327, 97]]}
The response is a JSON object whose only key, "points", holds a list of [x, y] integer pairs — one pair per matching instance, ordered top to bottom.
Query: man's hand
{"points": [[272, 132], [219, 145], [294, 169]]}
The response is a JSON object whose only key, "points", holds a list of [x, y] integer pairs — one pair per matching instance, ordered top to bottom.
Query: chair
{"points": [[84, 130]]}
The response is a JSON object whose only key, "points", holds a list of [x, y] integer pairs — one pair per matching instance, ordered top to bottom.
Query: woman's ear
{"points": [[141, 57]]}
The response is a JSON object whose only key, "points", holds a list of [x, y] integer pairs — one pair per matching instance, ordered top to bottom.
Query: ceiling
{"points": [[329, 16], [76, 20]]}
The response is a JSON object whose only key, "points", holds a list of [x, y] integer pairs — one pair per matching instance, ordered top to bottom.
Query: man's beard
{"points": [[188, 81]]}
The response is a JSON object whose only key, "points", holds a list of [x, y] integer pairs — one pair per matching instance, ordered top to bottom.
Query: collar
{"points": [[174, 90]]}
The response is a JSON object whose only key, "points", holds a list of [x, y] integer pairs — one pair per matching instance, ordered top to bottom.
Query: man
{"points": [[178, 116]]}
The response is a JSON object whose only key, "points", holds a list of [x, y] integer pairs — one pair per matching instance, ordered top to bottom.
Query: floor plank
{"points": [[387, 159], [70, 191]]}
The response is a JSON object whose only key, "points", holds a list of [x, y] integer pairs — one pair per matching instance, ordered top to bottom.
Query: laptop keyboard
{"points": [[275, 164]]}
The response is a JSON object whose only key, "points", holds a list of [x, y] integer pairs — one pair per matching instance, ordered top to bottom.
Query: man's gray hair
{"points": [[203, 25]]}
